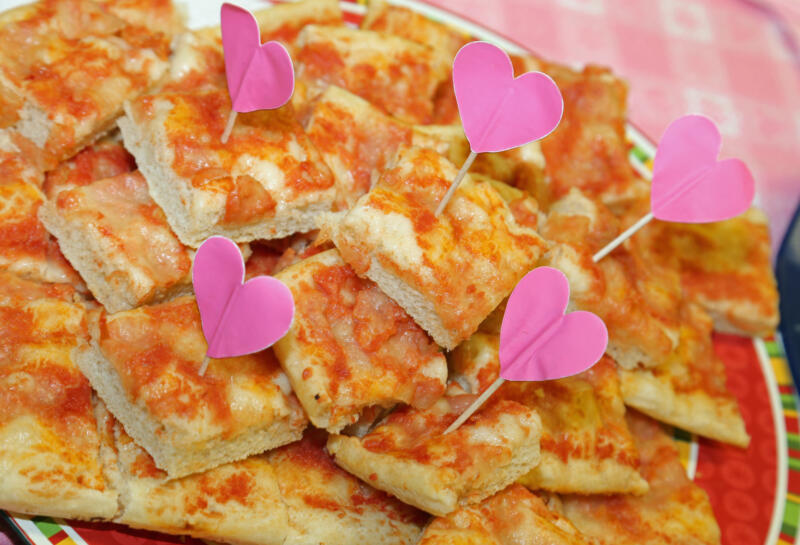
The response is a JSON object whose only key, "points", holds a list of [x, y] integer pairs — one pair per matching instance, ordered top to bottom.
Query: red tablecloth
{"points": [[729, 59]]}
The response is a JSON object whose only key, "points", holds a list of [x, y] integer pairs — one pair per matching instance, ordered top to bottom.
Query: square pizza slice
{"points": [[67, 68], [398, 76], [268, 181], [116, 236], [392, 237], [726, 267], [637, 298], [351, 347], [145, 364], [688, 389], [585, 446], [408, 455], [50, 460], [294, 495], [675, 510], [514, 516]]}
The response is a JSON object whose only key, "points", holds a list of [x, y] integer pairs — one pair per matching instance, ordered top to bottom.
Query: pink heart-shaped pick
{"points": [[260, 76], [498, 111], [689, 184], [238, 318], [537, 340]]}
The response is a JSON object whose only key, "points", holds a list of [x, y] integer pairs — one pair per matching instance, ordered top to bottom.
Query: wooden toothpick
{"points": [[229, 127], [456, 181], [625, 235], [475, 405]]}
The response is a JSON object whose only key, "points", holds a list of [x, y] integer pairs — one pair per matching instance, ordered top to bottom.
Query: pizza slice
{"points": [[67, 67], [398, 76], [358, 141], [105, 158], [268, 181], [116, 236], [392, 237], [726, 268], [637, 298], [350, 347], [145, 363], [688, 389], [49, 446], [586, 447], [408, 455], [294, 495], [675, 510], [511, 517]]}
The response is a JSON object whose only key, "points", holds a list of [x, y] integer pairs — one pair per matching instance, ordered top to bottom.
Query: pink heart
{"points": [[260, 76], [498, 111], [689, 184], [237, 318], [537, 340]]}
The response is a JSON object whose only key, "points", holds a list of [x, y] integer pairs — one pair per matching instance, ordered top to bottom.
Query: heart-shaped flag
{"points": [[260, 76], [498, 111], [689, 184], [238, 318], [537, 340]]}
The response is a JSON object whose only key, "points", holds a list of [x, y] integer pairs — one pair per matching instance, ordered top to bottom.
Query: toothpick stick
{"points": [[229, 127], [456, 181], [625, 235], [203, 367], [475, 405]]}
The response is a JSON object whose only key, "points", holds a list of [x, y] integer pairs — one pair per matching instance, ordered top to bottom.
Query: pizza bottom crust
{"points": [[696, 412], [178, 458]]}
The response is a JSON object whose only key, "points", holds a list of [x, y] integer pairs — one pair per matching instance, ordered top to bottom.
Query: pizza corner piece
{"points": [[67, 68], [448, 272], [351, 347], [145, 363], [585, 444], [49, 445], [408, 455], [291, 495], [675, 510], [514, 515]]}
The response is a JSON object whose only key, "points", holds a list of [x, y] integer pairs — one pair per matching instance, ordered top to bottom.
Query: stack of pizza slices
{"points": [[335, 434]]}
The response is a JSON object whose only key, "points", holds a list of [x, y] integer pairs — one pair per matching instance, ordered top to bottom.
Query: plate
{"points": [[755, 492]]}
